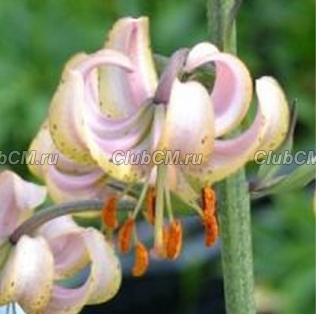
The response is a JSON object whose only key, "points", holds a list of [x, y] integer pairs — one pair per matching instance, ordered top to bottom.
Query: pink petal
{"points": [[131, 37], [232, 91], [67, 110], [189, 126], [231, 154], [67, 180], [66, 187], [18, 198], [69, 253], [28, 275], [101, 285]]}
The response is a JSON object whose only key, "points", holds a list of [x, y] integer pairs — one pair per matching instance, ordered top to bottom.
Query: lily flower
{"points": [[112, 100], [32, 273]]}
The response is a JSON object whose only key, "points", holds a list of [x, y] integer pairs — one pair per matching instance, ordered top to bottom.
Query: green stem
{"points": [[234, 208], [54, 211]]}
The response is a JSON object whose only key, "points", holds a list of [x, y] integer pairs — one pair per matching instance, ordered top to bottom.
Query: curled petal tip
{"points": [[199, 55], [274, 105]]}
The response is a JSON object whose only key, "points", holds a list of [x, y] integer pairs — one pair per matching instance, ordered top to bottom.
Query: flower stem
{"points": [[234, 208], [54, 211], [51, 212]]}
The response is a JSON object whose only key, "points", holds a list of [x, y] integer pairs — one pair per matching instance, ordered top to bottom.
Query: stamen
{"points": [[141, 198], [208, 200], [168, 204], [150, 205], [159, 210], [109, 212], [211, 229], [125, 235], [165, 236], [174, 241], [141, 260]]}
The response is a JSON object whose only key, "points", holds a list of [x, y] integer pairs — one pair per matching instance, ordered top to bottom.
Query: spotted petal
{"points": [[232, 90], [66, 117], [66, 180], [28, 275]]}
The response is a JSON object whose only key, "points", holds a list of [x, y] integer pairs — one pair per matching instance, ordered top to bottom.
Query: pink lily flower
{"points": [[112, 100], [58, 250]]}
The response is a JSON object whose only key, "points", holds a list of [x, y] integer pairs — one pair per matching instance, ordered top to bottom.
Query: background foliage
{"points": [[275, 37]]}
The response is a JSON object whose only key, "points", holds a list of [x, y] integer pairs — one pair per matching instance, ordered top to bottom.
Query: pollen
{"points": [[208, 200], [150, 205], [109, 212], [211, 229], [125, 235], [174, 240], [141, 260]]}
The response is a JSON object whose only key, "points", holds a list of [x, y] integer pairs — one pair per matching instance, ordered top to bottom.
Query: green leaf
{"points": [[299, 178]]}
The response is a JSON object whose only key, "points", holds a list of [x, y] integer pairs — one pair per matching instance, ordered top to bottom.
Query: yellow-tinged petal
{"points": [[78, 92], [270, 94], [65, 117], [41, 144], [66, 180], [28, 275]]}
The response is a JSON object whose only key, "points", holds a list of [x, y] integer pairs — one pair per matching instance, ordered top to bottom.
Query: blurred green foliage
{"points": [[275, 37]]}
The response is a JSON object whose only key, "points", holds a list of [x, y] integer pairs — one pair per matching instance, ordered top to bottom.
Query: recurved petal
{"points": [[232, 91], [121, 92], [271, 95], [67, 110], [65, 117], [189, 125], [267, 131], [42, 144], [66, 186], [17, 198], [62, 236], [28, 275], [102, 283]]}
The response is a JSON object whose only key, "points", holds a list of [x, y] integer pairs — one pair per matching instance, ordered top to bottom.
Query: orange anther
{"points": [[208, 200], [150, 204], [109, 212], [211, 229], [125, 235], [174, 240], [141, 260]]}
